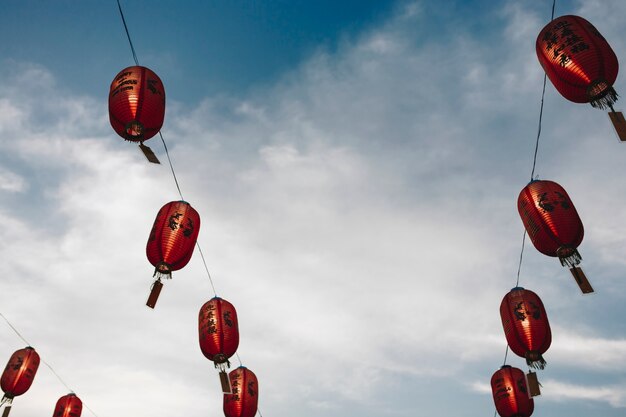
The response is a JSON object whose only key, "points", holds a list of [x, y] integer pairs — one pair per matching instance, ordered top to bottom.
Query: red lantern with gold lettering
{"points": [[578, 60], [136, 104], [553, 224], [171, 242], [526, 326], [218, 331], [18, 375], [510, 393], [244, 399], [68, 406]]}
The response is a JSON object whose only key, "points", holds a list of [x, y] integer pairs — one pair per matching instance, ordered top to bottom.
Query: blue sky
{"points": [[356, 167]]}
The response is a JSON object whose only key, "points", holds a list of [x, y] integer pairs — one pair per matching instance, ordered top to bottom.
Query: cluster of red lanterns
{"points": [[583, 67], [136, 112], [18, 376]]}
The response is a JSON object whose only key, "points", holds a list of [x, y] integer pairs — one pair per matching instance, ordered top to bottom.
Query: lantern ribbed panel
{"points": [[578, 60], [136, 104], [549, 217], [173, 236], [526, 325], [218, 330], [20, 372], [510, 393], [245, 394], [68, 406]]}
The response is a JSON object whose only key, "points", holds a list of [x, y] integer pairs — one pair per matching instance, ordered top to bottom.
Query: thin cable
{"points": [[132, 48], [543, 94], [169, 160], [171, 166], [532, 175], [521, 256], [206, 268], [15, 330], [238, 358], [44, 361]]}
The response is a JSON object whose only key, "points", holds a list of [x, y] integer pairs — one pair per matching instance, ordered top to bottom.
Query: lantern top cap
{"points": [[517, 288], [505, 366]]}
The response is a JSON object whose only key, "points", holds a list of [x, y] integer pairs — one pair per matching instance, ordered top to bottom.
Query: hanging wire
{"points": [[132, 48], [167, 153], [169, 160], [532, 175], [206, 268], [44, 361]]}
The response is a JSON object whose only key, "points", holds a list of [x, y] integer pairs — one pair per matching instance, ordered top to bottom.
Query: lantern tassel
{"points": [[605, 101], [571, 259], [535, 360], [7, 402]]}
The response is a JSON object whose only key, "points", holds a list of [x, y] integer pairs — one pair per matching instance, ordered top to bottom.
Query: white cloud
{"points": [[360, 214], [553, 390]]}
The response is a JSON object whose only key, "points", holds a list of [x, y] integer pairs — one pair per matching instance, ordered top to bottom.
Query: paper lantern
{"points": [[578, 60], [136, 104], [553, 224], [171, 242], [526, 325], [218, 331], [18, 375], [510, 393], [244, 399], [68, 406]]}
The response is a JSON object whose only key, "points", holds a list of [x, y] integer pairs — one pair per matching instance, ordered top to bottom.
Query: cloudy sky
{"points": [[356, 166]]}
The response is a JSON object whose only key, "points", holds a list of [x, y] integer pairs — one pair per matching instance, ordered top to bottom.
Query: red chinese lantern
{"points": [[579, 61], [136, 104], [553, 225], [171, 242], [526, 326], [218, 331], [18, 375], [510, 393], [244, 399], [68, 406]]}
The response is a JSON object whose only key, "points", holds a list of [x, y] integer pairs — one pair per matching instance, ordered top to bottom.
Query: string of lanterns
{"points": [[582, 67], [136, 113]]}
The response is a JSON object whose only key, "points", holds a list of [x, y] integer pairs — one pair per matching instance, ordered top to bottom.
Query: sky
{"points": [[356, 167]]}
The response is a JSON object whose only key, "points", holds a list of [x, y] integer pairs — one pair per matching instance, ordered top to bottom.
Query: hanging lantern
{"points": [[578, 60], [581, 65], [136, 104], [553, 225], [171, 242], [526, 326], [219, 335], [18, 375], [510, 393], [243, 400], [68, 406]]}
